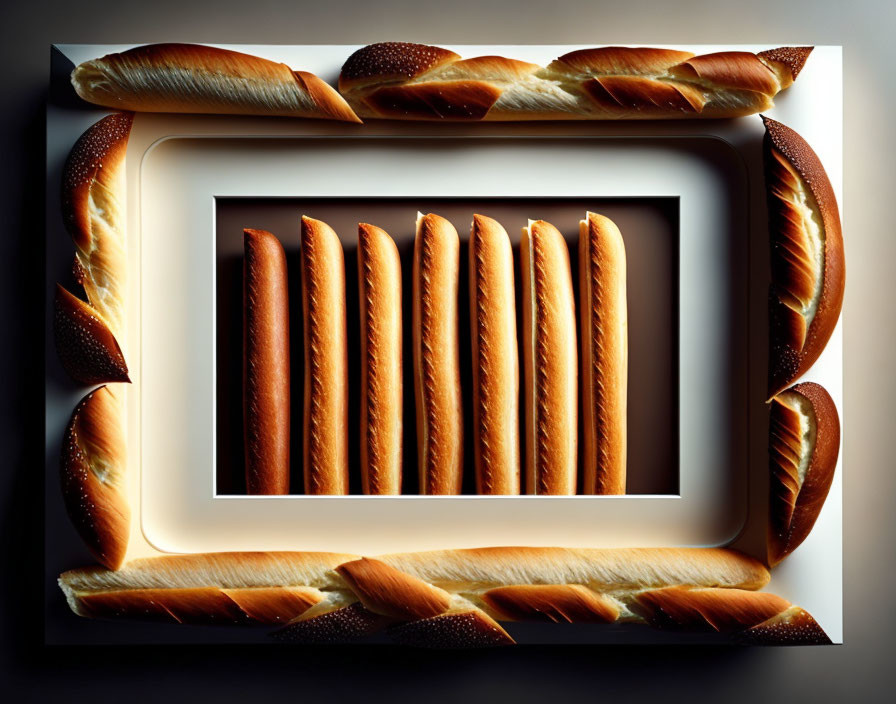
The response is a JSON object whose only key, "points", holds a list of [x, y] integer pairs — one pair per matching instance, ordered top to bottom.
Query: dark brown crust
{"points": [[791, 57], [391, 61], [627, 96], [435, 100], [99, 150], [379, 291], [602, 294], [493, 339], [86, 347], [794, 348], [436, 357], [266, 372], [325, 434], [93, 463], [793, 509], [390, 592], [557, 603], [208, 605], [713, 609], [346, 625], [792, 627], [465, 629]]}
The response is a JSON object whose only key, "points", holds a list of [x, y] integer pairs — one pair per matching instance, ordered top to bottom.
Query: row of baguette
{"points": [[400, 80], [550, 359]]}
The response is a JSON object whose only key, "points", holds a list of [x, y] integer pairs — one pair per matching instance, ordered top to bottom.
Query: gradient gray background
{"points": [[859, 671]]}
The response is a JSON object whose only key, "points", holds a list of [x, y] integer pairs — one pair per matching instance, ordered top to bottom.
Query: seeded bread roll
{"points": [[193, 78], [399, 80], [808, 269], [379, 290], [602, 304], [436, 356], [551, 361], [266, 395], [325, 434], [496, 436], [804, 441]]}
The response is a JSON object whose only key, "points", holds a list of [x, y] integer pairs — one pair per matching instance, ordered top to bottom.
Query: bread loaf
{"points": [[193, 78], [414, 81], [808, 270], [379, 292], [602, 305], [436, 356], [550, 360], [265, 364], [325, 428], [496, 438], [804, 441], [94, 462], [447, 598]]}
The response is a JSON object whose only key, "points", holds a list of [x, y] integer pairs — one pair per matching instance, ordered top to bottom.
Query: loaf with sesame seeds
{"points": [[400, 80]]}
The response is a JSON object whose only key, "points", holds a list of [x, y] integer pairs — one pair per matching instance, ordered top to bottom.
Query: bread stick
{"points": [[436, 356], [550, 359], [266, 395], [325, 427]]}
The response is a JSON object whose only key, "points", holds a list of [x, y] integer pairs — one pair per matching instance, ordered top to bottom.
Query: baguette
{"points": [[191, 78], [414, 81], [808, 269], [379, 289], [602, 304], [436, 357], [550, 360], [265, 364], [325, 428], [496, 440], [804, 441], [92, 473], [446, 598]]}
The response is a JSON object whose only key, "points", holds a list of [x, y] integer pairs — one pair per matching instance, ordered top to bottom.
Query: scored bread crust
{"points": [[192, 78], [416, 81], [807, 258], [379, 289], [604, 330], [436, 356], [550, 361], [266, 395], [325, 428], [496, 441], [804, 442], [92, 473], [446, 598]]}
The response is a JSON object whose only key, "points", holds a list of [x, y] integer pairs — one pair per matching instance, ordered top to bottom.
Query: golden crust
{"points": [[193, 78], [428, 83], [93, 208], [379, 290], [805, 298], [604, 330], [86, 347], [436, 356], [550, 359], [266, 397], [325, 434], [496, 448], [92, 473], [794, 501], [390, 592], [558, 603], [722, 610]]}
